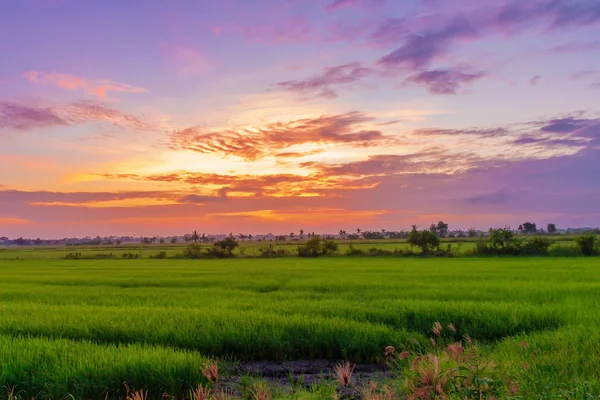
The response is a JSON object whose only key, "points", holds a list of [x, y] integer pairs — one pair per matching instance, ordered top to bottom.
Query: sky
{"points": [[161, 117]]}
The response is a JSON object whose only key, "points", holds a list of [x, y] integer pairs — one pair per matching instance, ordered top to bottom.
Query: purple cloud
{"points": [[336, 5], [576, 47], [419, 50], [535, 80], [443, 81], [318, 85], [20, 117], [24, 118], [566, 125]]}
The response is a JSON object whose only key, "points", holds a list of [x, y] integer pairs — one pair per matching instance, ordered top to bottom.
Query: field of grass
{"points": [[247, 249], [85, 327]]}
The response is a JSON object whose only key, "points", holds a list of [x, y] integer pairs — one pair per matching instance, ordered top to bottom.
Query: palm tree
{"points": [[301, 233], [291, 235], [195, 236], [250, 236]]}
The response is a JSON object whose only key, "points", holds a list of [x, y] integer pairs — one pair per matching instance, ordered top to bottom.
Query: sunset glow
{"points": [[278, 115]]}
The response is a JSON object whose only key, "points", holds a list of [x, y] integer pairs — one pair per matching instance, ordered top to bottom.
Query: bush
{"points": [[426, 240], [587, 244], [316, 246], [537, 246], [224, 248], [195, 251], [353, 251], [270, 252], [130, 255], [161, 255], [73, 256]]}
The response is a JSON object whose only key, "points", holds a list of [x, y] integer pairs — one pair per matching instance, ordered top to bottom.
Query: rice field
{"points": [[83, 327]]}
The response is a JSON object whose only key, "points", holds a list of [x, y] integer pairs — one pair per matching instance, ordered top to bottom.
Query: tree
{"points": [[528, 227], [551, 228], [472, 232], [301, 233], [291, 235], [242, 236], [250, 236], [195, 237], [425, 239], [161, 240], [174, 240], [587, 244], [226, 246]]}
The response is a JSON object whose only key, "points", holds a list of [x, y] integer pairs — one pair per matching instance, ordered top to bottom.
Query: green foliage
{"points": [[427, 240], [505, 242], [587, 244], [317, 246], [224, 248], [271, 251], [148, 322]]}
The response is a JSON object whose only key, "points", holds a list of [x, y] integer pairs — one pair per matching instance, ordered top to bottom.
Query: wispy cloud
{"points": [[338, 4], [448, 81], [320, 85], [98, 88], [20, 117], [257, 142]]}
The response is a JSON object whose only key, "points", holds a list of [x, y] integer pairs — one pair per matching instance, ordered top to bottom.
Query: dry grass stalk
{"points": [[452, 328], [437, 329], [455, 350], [389, 351], [210, 370], [343, 373], [261, 391], [201, 393], [372, 393], [11, 394], [137, 395], [222, 395]]}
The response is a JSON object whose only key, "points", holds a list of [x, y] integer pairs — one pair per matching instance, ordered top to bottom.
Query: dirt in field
{"points": [[292, 375]]}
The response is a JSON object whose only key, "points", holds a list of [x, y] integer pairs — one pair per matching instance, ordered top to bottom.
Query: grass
{"points": [[564, 245], [85, 327]]}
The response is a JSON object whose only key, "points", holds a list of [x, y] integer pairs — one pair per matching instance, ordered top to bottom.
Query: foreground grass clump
{"points": [[86, 327]]}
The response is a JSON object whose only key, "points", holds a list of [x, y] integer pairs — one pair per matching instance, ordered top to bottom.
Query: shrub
{"points": [[426, 240], [587, 244], [316, 246], [537, 246], [224, 248], [194, 251], [353, 251], [270, 252], [103, 255], [130, 255], [161, 255], [73, 256]]}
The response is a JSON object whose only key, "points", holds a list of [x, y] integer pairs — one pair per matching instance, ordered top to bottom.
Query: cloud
{"points": [[338, 4], [576, 47], [420, 49], [187, 61], [584, 74], [534, 80], [446, 81], [319, 85], [98, 88], [21, 117], [566, 125], [483, 133], [257, 142], [496, 197], [105, 199]]}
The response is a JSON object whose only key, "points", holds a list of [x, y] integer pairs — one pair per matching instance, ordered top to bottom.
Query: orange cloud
{"points": [[98, 88], [253, 143], [13, 221]]}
